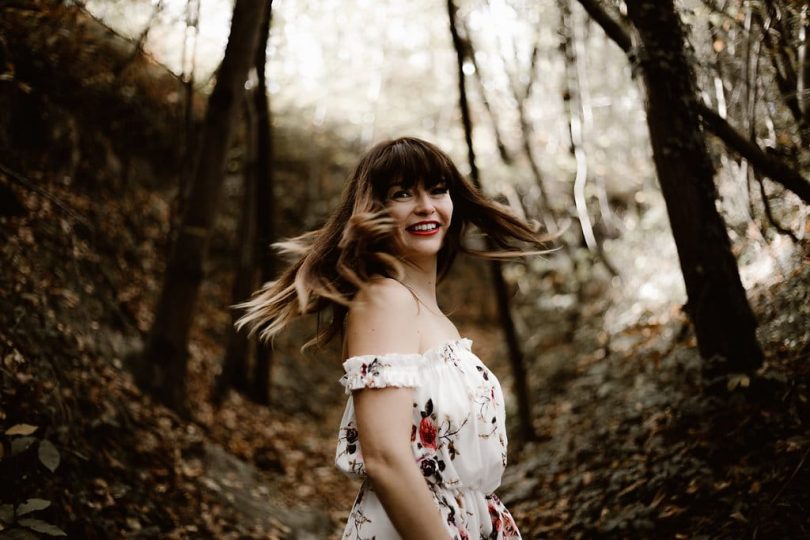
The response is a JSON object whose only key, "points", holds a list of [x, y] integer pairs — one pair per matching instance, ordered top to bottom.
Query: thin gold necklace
{"points": [[422, 302]]}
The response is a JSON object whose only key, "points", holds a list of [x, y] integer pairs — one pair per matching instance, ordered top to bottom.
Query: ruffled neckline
{"points": [[464, 342], [437, 349]]}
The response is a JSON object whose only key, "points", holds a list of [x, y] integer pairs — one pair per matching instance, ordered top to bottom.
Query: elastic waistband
{"points": [[458, 488]]}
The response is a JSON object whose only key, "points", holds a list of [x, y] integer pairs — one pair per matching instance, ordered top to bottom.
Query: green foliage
{"points": [[19, 438], [13, 525]]}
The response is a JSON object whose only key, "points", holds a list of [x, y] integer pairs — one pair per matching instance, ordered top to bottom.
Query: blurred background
{"points": [[150, 152]]}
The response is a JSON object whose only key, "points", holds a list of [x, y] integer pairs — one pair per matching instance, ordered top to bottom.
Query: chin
{"points": [[420, 254]]}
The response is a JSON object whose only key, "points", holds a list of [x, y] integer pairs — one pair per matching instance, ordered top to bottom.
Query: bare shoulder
{"points": [[383, 291], [382, 319]]}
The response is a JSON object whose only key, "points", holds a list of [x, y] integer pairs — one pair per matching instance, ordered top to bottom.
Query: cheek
{"points": [[448, 210], [397, 213]]}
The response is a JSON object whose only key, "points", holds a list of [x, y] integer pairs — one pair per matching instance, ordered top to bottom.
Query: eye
{"points": [[439, 190], [399, 194]]}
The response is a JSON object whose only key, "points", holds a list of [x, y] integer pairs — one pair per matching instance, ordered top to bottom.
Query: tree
{"points": [[766, 163], [265, 207], [255, 236], [723, 321], [517, 361], [235, 365], [162, 368]]}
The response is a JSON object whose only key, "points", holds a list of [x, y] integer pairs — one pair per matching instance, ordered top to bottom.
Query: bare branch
{"points": [[769, 165], [766, 203]]}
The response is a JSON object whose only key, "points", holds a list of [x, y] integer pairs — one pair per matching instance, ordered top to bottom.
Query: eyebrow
{"points": [[410, 185]]}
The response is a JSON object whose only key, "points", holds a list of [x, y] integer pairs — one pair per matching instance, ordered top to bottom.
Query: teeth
{"points": [[425, 227]]}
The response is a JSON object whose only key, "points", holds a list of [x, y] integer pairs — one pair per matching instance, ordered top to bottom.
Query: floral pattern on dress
{"points": [[458, 439], [348, 445]]}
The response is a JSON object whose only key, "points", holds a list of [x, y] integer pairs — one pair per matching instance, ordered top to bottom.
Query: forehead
{"points": [[406, 166], [409, 183]]}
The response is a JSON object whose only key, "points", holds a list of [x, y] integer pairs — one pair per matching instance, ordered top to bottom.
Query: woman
{"points": [[424, 423]]}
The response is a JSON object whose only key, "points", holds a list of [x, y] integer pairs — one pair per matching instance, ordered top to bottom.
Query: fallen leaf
{"points": [[21, 429], [22, 444], [49, 455], [32, 505], [6, 513], [739, 517], [43, 527]]}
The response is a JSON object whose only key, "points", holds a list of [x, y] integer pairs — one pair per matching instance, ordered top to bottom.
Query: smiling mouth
{"points": [[424, 229]]}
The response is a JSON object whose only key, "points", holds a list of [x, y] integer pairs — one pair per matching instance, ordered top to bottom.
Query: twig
{"points": [[766, 203], [789, 480]]}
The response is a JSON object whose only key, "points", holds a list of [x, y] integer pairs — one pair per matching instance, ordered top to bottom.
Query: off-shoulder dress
{"points": [[458, 438]]}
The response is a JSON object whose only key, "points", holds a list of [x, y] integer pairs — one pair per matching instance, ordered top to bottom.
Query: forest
{"points": [[655, 362]]}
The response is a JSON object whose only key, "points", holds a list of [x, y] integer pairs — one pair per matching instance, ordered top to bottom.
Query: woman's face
{"points": [[423, 217]]}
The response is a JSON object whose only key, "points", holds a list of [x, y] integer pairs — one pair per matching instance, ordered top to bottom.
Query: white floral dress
{"points": [[458, 438]]}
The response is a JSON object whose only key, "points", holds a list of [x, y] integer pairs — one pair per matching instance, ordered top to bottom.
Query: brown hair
{"points": [[359, 241]]}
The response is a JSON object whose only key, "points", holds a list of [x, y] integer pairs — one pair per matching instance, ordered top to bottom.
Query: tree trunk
{"points": [[265, 206], [724, 324], [237, 353], [165, 357], [527, 432]]}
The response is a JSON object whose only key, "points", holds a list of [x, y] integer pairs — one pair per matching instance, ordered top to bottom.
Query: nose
{"points": [[424, 204]]}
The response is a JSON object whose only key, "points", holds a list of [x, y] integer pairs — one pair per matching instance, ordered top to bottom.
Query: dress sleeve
{"points": [[382, 370]]}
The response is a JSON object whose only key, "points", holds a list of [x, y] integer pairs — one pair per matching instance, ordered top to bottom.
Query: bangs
{"points": [[408, 162]]}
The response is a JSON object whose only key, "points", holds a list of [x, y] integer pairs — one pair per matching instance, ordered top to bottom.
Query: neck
{"points": [[420, 276]]}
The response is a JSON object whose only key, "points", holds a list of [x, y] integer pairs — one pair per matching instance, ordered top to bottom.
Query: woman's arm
{"points": [[382, 320]]}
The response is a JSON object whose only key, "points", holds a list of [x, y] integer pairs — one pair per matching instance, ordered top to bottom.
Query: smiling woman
{"points": [[423, 215], [424, 422]]}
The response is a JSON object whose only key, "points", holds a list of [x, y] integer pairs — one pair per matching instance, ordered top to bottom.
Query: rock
{"points": [[242, 487]]}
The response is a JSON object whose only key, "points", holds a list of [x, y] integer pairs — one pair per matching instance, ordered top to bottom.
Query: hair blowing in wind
{"points": [[359, 239]]}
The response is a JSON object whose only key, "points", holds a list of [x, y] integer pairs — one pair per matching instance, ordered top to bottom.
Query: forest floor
{"points": [[629, 443]]}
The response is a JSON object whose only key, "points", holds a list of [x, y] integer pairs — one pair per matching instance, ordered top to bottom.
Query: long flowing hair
{"points": [[359, 239]]}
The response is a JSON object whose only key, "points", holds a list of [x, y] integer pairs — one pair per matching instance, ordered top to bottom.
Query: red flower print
{"points": [[427, 433], [495, 515], [509, 527]]}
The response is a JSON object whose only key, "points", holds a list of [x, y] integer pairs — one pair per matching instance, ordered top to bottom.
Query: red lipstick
{"points": [[424, 232]]}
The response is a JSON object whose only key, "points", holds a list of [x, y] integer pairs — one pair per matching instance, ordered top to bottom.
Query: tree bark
{"points": [[265, 206], [723, 321], [237, 352], [165, 357], [517, 361]]}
